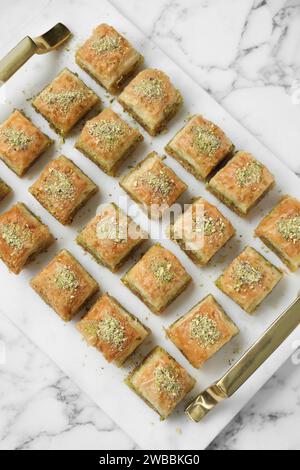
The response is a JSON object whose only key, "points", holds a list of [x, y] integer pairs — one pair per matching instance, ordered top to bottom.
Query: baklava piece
{"points": [[108, 58], [151, 99], [65, 101], [108, 140], [21, 143], [200, 147], [242, 183], [153, 185], [62, 189], [5, 190], [201, 231], [280, 231], [22, 237], [111, 237], [157, 279], [249, 279], [65, 285], [112, 330], [202, 332], [161, 382]]}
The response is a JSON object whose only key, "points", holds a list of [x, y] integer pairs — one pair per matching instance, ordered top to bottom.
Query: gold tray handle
{"points": [[16, 58]]}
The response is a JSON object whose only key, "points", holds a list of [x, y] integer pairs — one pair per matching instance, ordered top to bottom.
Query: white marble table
{"points": [[246, 54]]}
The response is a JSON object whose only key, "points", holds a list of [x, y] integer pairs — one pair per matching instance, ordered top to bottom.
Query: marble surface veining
{"points": [[246, 54]]}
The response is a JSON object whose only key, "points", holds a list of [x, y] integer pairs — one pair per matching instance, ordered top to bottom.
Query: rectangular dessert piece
{"points": [[108, 58], [151, 99], [65, 101], [108, 140], [21, 143], [200, 146], [242, 183], [153, 185], [62, 189], [5, 190], [201, 231], [280, 231], [22, 237], [111, 237], [157, 279], [249, 279], [65, 285], [112, 330], [202, 332], [161, 382]]}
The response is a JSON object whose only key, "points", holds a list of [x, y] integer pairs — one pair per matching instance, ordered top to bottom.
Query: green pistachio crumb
{"points": [[106, 44], [151, 88], [106, 133], [16, 139], [205, 140], [249, 174], [289, 229], [14, 235], [162, 271], [246, 275], [66, 279], [205, 330], [166, 380]]}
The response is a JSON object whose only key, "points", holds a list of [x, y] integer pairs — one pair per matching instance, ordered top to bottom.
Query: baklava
{"points": [[108, 58], [151, 99], [65, 101], [108, 140], [21, 143], [200, 147], [242, 183], [153, 185], [62, 189], [5, 190], [201, 231], [280, 231], [22, 237], [111, 237], [157, 279], [249, 279], [65, 285], [112, 330], [202, 332], [161, 382]]}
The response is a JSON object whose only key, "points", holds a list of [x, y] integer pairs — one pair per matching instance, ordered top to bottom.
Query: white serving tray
{"points": [[103, 382]]}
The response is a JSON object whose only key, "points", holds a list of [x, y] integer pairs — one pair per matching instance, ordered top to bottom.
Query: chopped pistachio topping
{"points": [[106, 44], [151, 88], [63, 100], [106, 133], [17, 140], [205, 140], [249, 174], [160, 183], [59, 185], [210, 226], [111, 228], [289, 229], [15, 235], [162, 271], [246, 275], [65, 278], [205, 330], [111, 331], [167, 381]]}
